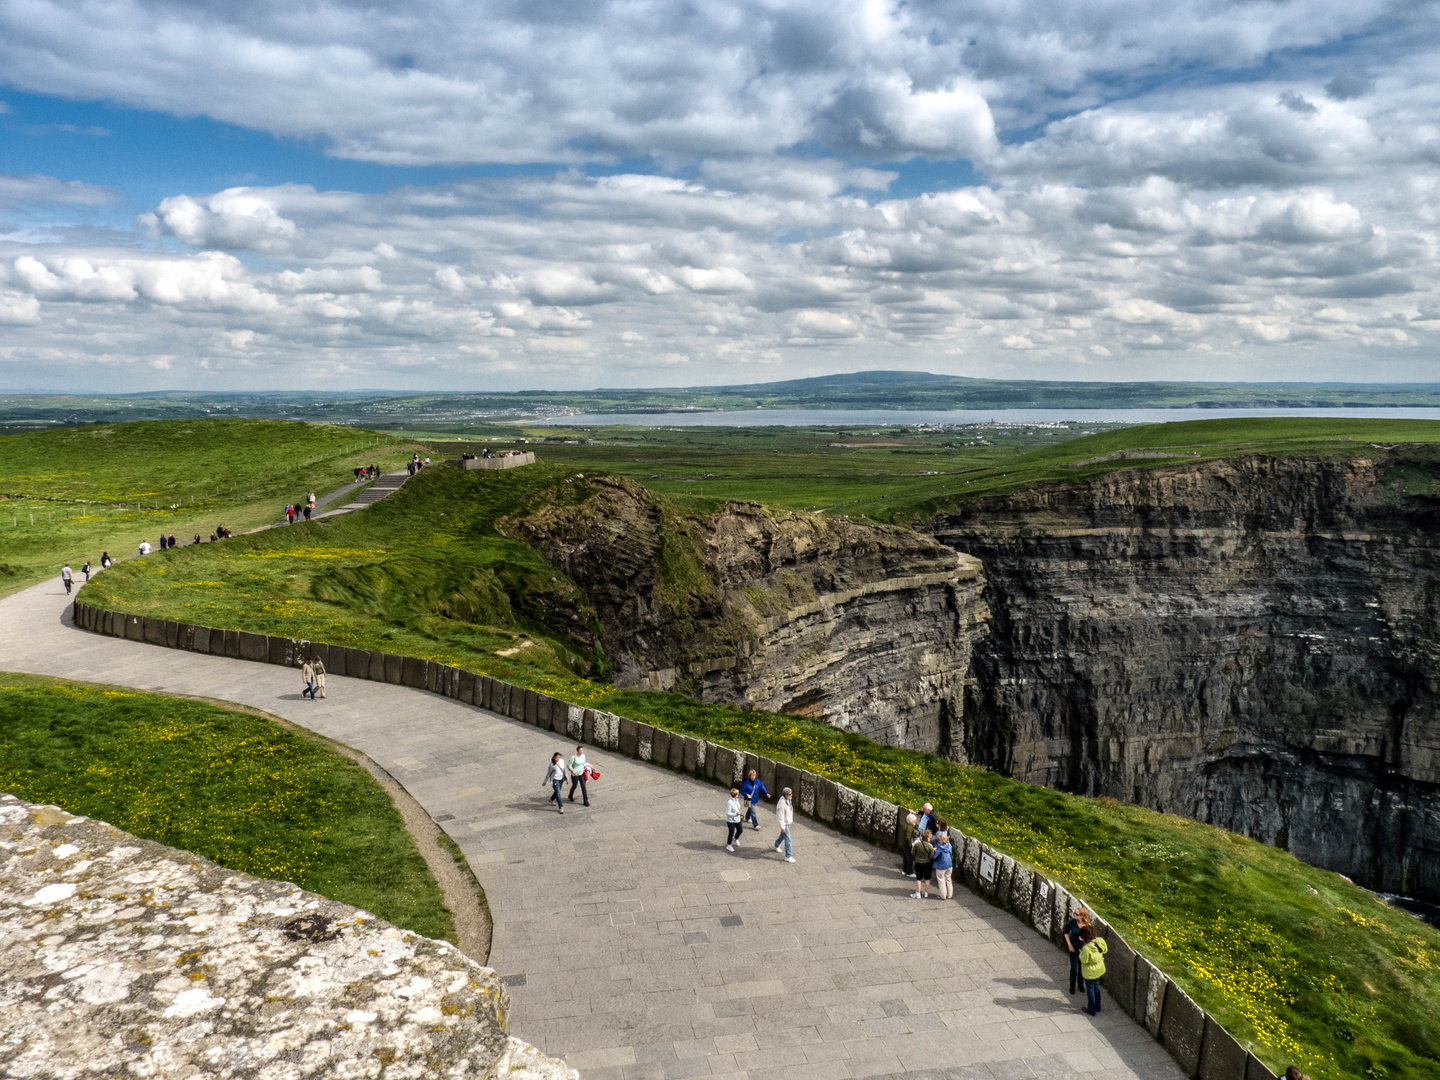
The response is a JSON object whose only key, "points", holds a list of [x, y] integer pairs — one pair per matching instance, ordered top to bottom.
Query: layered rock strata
{"points": [[865, 627], [1253, 642], [122, 957]]}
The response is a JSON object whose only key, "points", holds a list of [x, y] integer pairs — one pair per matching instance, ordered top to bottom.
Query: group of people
{"points": [[414, 465], [367, 472], [301, 507], [167, 542], [67, 576], [312, 674], [577, 770], [741, 808], [926, 854], [1087, 957]]}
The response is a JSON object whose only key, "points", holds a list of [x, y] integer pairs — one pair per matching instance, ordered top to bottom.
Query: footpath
{"points": [[634, 946]]}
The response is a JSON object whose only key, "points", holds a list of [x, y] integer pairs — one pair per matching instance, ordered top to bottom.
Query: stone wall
{"points": [[500, 461], [125, 957], [1197, 1041]]}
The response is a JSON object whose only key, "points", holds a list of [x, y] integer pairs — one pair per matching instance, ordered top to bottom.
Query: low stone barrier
{"points": [[1194, 1039]]}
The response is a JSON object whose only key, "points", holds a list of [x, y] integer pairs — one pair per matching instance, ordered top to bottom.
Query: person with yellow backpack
{"points": [[1092, 966]]}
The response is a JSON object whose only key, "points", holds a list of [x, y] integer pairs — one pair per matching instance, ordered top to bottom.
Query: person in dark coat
{"points": [[1071, 935]]}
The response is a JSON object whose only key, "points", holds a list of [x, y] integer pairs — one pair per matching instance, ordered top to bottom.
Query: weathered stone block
{"points": [[152, 630], [172, 634], [200, 639], [231, 644], [254, 646], [281, 652], [370, 665], [394, 668], [414, 672], [432, 678], [468, 681], [517, 705], [531, 706], [545, 713], [574, 720], [587, 727], [607, 730], [629, 737], [644, 742], [659, 746], [690, 749], [711, 752], [676, 756], [725, 766], [787, 776], [807, 794], [827, 795], [846, 800], [864, 815], [882, 822], [970, 864], [988, 870], [1004, 878], [1022, 891], [1041, 900], [1059, 912], [1119, 980], [1149, 991], [1182, 1028], [1221, 1057], [1255, 1069]]}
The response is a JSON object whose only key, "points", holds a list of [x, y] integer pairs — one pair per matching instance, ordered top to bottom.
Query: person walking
{"points": [[310, 500], [105, 560], [86, 569], [66, 577], [307, 675], [319, 687], [579, 767], [555, 777], [750, 791], [785, 818], [734, 822], [907, 846], [924, 863], [944, 864], [1071, 935], [1092, 966]]}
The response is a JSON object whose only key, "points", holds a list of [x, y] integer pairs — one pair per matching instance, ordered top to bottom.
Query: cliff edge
{"points": [[1252, 642]]}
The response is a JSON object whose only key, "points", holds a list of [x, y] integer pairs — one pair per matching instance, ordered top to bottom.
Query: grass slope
{"points": [[93, 489], [233, 787], [1295, 960]]}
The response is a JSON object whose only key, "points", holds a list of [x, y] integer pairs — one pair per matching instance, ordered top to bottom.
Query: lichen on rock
{"points": [[122, 957]]}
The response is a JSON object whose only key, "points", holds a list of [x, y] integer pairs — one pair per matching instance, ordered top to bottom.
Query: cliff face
{"points": [[867, 628], [1252, 643]]}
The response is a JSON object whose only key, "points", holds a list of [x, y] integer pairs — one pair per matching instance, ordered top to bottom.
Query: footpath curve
{"points": [[634, 946]]}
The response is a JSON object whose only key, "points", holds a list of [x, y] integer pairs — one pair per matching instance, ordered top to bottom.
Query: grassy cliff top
{"points": [[72, 493]]}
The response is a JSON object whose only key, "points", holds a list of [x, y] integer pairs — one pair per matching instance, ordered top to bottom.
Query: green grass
{"points": [[73, 493], [231, 786], [1295, 960]]}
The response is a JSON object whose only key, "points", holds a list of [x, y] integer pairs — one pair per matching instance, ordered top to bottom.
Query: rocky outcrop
{"points": [[865, 627], [1252, 642], [125, 958]]}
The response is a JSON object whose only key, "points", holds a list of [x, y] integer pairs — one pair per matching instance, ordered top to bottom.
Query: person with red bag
{"points": [[580, 771]]}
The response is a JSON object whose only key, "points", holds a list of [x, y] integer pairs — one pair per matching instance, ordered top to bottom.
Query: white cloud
{"points": [[20, 190], [236, 218]]}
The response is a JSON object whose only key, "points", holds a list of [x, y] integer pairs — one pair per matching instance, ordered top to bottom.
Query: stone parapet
{"points": [[126, 957]]}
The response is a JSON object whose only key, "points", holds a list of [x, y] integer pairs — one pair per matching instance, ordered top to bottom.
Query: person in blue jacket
{"points": [[751, 791]]}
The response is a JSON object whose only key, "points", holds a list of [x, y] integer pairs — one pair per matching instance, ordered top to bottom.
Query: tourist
{"points": [[310, 500], [307, 510], [197, 539], [172, 540], [163, 542], [144, 547], [105, 560], [86, 569], [67, 577], [319, 666], [307, 676], [578, 770], [555, 777], [750, 791], [785, 818], [734, 821], [928, 821], [907, 845], [924, 864], [944, 865], [1071, 935], [1092, 966]]}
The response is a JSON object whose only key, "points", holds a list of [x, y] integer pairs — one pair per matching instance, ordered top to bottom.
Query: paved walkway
{"points": [[634, 945]]}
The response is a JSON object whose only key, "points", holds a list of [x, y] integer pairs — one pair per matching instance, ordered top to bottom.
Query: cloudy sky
{"points": [[433, 194]]}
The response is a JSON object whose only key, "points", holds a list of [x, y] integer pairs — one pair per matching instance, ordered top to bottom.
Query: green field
{"points": [[926, 471], [71, 494], [231, 786], [1295, 960]]}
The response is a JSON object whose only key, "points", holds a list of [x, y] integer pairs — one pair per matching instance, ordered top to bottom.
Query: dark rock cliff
{"points": [[865, 627], [1250, 642]]}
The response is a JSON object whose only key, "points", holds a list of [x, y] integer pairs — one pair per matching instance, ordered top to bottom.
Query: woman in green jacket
{"points": [[1092, 966]]}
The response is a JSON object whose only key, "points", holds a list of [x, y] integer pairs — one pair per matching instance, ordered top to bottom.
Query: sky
{"points": [[565, 194]]}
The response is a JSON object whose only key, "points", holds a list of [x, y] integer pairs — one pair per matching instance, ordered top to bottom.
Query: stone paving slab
{"points": [[616, 926]]}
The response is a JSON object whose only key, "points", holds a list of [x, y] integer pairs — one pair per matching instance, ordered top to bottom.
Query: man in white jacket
{"points": [[785, 818]]}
